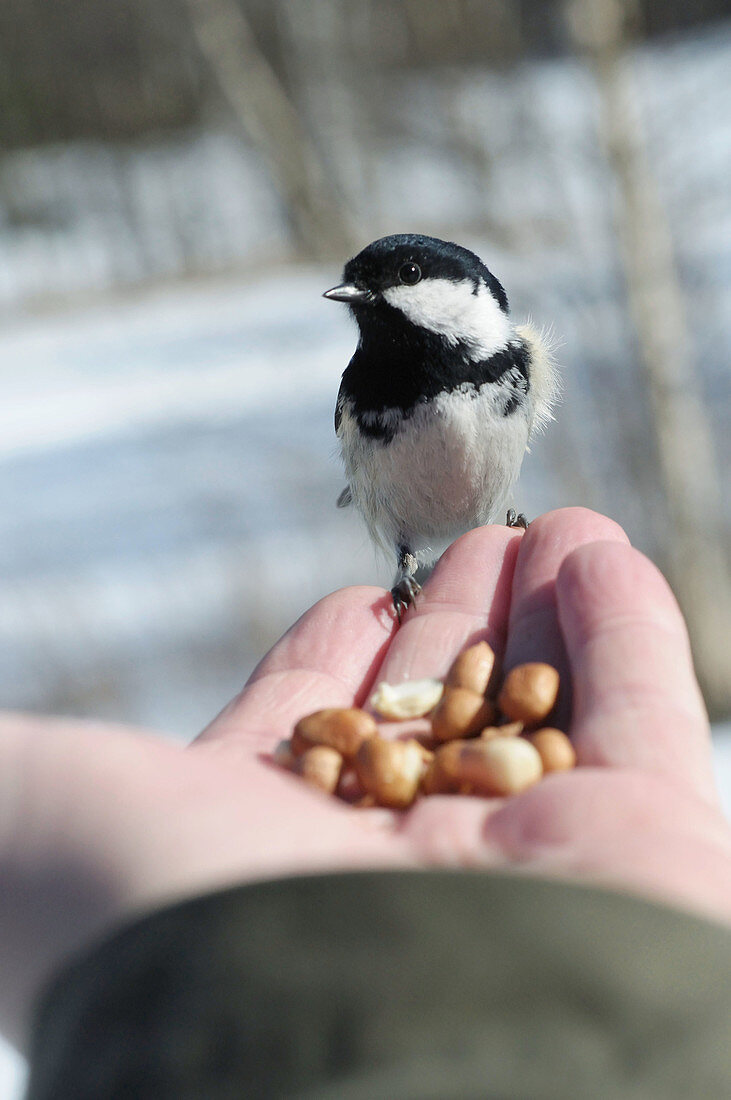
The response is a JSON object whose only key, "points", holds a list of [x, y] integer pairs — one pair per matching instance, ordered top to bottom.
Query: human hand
{"points": [[98, 822]]}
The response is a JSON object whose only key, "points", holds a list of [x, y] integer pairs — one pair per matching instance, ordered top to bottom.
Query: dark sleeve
{"points": [[379, 986]]}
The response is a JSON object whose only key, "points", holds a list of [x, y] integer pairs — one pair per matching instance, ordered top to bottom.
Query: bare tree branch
{"points": [[271, 121], [687, 468]]}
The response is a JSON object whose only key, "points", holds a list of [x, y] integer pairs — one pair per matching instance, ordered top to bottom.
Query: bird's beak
{"points": [[350, 293]]}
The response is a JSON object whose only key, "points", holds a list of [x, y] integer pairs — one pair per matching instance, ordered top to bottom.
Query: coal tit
{"points": [[439, 401]]}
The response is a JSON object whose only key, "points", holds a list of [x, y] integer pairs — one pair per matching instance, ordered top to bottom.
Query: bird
{"points": [[438, 404]]}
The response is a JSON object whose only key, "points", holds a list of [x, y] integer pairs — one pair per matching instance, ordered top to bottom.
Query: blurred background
{"points": [[179, 182]]}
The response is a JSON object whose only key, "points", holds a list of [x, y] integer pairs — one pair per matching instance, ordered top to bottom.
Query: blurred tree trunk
{"points": [[266, 113], [694, 544]]}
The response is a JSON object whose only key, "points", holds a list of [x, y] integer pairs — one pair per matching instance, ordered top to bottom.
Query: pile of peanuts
{"points": [[481, 742]]}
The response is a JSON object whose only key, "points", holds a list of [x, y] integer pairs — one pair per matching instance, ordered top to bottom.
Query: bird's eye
{"points": [[409, 273]]}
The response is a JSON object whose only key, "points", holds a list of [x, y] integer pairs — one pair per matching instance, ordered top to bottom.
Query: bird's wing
{"points": [[339, 408], [346, 497]]}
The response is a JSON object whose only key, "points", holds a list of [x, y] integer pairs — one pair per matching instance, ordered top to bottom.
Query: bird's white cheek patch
{"points": [[454, 311]]}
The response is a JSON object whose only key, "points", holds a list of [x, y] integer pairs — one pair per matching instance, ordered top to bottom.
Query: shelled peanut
{"points": [[483, 740]]}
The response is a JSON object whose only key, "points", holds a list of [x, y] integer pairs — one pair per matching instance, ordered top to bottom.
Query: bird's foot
{"points": [[516, 519], [404, 595]]}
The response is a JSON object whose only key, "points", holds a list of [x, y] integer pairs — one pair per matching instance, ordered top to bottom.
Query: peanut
{"points": [[472, 668], [529, 693], [412, 699], [460, 713], [340, 728], [510, 729], [554, 748], [340, 751], [427, 755], [507, 765], [320, 766], [391, 770], [442, 776], [349, 788]]}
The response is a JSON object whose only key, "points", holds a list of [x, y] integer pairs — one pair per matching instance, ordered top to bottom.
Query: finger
{"points": [[465, 600], [534, 633], [327, 659], [636, 699]]}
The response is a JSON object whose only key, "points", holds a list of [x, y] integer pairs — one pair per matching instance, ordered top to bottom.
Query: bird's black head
{"points": [[413, 273], [431, 317]]}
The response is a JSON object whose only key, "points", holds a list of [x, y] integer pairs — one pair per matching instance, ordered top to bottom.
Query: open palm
{"points": [[98, 822]]}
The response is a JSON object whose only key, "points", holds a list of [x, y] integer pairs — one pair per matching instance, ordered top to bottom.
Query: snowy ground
{"points": [[167, 488]]}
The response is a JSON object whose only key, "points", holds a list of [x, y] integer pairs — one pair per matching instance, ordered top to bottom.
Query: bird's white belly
{"points": [[449, 467]]}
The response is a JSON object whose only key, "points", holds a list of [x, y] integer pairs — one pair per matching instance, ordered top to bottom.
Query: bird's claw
{"points": [[516, 519], [404, 595]]}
